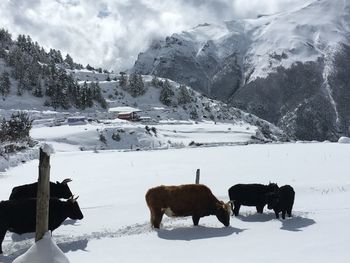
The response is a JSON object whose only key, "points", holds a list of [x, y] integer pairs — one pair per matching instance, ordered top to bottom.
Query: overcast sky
{"points": [[110, 33]]}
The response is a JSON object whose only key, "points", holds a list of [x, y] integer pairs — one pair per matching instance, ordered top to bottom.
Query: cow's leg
{"points": [[260, 208], [236, 209], [289, 212], [277, 214], [283, 214], [151, 217], [156, 218], [195, 220], [2, 236]]}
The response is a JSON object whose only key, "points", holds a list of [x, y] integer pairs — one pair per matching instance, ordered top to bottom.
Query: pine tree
{"points": [[5, 42], [22, 42], [55, 56], [69, 61], [88, 67], [33, 73], [50, 81], [123, 81], [156, 82], [5, 83], [140, 85], [136, 86], [20, 87], [57, 88], [38, 91], [166, 93], [97, 94], [184, 96], [83, 97], [193, 113], [16, 128]]}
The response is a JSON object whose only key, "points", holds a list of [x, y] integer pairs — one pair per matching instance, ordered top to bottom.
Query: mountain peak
{"points": [[236, 61]]}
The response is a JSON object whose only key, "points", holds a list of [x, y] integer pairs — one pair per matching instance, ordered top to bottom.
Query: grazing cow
{"points": [[57, 190], [250, 195], [194, 200], [282, 201], [19, 216]]}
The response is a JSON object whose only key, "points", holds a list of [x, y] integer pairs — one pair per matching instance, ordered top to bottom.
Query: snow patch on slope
{"points": [[300, 35]]}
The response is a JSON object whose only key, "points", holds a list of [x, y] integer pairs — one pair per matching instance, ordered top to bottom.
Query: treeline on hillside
{"points": [[43, 73], [135, 86], [183, 97]]}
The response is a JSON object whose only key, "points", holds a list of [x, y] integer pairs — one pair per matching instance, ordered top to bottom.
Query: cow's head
{"points": [[272, 187], [63, 190], [272, 200], [74, 209], [223, 212]]}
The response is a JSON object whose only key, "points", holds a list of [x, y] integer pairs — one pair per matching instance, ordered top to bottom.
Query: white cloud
{"points": [[111, 33]]}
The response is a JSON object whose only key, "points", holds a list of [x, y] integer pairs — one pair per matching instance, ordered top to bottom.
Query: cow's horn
{"points": [[65, 181], [73, 199]]}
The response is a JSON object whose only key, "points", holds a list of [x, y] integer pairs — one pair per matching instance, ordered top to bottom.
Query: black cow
{"points": [[57, 190], [250, 195], [282, 201], [19, 216]]}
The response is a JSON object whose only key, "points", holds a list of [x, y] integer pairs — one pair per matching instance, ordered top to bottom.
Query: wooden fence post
{"points": [[198, 172], [43, 196]]}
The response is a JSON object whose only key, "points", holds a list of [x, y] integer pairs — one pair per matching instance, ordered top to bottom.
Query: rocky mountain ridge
{"points": [[288, 68]]}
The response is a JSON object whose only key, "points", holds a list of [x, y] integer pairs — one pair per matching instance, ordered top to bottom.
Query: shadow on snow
{"points": [[257, 217], [296, 223], [196, 232]]}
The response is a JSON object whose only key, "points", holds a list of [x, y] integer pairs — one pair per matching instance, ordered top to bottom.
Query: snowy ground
{"points": [[135, 136], [112, 185]]}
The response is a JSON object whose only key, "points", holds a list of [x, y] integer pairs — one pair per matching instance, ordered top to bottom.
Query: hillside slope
{"points": [[288, 68], [50, 87], [185, 121]]}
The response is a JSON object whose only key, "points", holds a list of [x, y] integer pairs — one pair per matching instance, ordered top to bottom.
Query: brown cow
{"points": [[194, 200]]}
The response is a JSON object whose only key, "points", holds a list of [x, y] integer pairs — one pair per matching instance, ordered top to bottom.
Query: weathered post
{"points": [[198, 172], [43, 194]]}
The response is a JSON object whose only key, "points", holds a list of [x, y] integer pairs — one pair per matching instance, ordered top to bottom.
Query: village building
{"points": [[125, 113]]}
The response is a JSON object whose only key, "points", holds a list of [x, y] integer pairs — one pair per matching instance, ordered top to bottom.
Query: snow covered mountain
{"points": [[289, 68]]}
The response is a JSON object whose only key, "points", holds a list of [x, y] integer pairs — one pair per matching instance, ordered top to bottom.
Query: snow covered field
{"points": [[133, 135], [115, 228]]}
